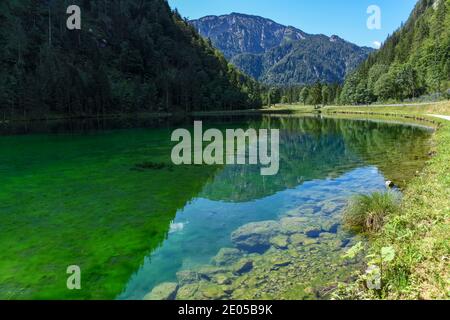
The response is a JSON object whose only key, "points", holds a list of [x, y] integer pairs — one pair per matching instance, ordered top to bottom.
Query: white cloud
{"points": [[377, 44]]}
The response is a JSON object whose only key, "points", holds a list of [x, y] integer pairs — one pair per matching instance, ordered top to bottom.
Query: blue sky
{"points": [[346, 18]]}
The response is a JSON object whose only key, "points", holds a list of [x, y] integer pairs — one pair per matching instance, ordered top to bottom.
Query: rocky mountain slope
{"points": [[280, 55]]}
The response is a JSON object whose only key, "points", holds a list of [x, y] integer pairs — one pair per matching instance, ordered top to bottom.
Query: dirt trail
{"points": [[439, 116]]}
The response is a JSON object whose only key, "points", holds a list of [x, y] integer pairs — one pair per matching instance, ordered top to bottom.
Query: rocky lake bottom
{"points": [[105, 196], [296, 257]]}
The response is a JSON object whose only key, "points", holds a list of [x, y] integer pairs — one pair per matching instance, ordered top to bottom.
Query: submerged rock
{"points": [[389, 184], [328, 207], [308, 211], [301, 212], [294, 213], [293, 225], [330, 226], [313, 231], [327, 236], [255, 237], [298, 239], [310, 241], [280, 242], [335, 244], [227, 256], [285, 259], [279, 262], [243, 266], [208, 272], [187, 277], [223, 279], [202, 290], [164, 291], [212, 291], [189, 292]]}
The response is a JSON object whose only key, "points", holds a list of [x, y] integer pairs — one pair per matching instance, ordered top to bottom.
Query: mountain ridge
{"points": [[209, 26], [276, 54]]}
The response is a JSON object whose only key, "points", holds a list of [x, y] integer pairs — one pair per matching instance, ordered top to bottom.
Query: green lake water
{"points": [[82, 193]]}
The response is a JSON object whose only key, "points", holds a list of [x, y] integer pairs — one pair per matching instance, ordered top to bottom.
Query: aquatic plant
{"points": [[367, 213]]}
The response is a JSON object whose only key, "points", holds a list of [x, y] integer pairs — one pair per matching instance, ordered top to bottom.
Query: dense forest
{"points": [[129, 56], [414, 61], [315, 94]]}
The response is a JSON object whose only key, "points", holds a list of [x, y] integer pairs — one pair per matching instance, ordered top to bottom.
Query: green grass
{"points": [[442, 108], [416, 110], [367, 213], [419, 233]]}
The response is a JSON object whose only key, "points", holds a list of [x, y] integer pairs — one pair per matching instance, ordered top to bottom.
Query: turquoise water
{"points": [[320, 167], [83, 193], [211, 222]]}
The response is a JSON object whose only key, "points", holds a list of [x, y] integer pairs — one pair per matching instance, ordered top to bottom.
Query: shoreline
{"points": [[277, 109], [119, 116], [420, 233]]}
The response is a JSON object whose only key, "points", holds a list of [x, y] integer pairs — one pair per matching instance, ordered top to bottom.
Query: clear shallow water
{"points": [[80, 197], [211, 222]]}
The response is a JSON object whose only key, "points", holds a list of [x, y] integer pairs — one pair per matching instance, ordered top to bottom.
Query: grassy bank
{"points": [[442, 108], [420, 232]]}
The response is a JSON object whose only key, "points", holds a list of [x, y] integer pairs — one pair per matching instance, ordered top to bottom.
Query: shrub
{"points": [[367, 213]]}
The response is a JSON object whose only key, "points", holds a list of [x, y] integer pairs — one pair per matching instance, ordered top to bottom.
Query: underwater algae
{"points": [[111, 202]]}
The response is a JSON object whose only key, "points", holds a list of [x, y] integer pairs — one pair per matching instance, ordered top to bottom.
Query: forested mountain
{"points": [[239, 33], [280, 55], [129, 56], [414, 61]]}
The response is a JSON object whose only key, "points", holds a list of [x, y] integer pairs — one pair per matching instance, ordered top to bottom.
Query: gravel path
{"points": [[439, 116]]}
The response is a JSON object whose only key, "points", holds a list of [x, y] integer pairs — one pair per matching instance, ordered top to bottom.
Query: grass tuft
{"points": [[367, 213]]}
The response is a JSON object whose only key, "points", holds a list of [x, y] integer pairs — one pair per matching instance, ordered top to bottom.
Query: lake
{"points": [[104, 195]]}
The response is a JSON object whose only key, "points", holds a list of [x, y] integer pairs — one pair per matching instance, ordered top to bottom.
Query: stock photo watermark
{"points": [[74, 20], [374, 22], [236, 147], [373, 278], [74, 280]]}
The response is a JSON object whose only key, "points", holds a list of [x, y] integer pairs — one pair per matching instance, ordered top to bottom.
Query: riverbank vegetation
{"points": [[420, 110], [367, 213], [419, 233]]}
